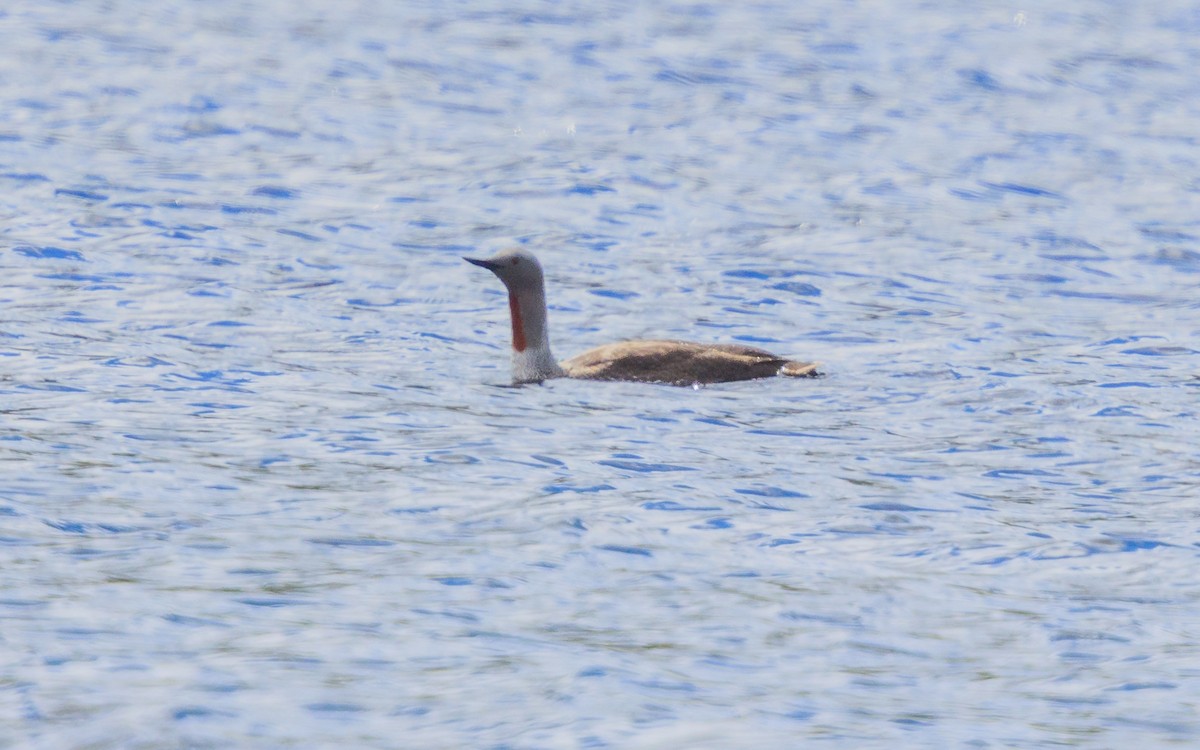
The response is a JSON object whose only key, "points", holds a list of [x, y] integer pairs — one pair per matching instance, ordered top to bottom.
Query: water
{"points": [[263, 484]]}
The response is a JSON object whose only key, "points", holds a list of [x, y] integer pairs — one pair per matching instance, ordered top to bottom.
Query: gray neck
{"points": [[534, 362]]}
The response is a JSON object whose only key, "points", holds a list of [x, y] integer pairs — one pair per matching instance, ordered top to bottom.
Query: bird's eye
{"points": [[514, 261]]}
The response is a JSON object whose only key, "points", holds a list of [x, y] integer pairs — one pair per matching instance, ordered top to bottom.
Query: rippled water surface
{"points": [[263, 484]]}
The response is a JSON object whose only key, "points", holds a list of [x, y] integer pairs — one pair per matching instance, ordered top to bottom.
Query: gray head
{"points": [[517, 268]]}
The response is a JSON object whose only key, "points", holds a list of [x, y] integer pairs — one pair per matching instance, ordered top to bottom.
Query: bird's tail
{"points": [[800, 370]]}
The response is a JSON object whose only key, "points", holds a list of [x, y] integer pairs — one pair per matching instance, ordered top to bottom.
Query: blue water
{"points": [[261, 483]]}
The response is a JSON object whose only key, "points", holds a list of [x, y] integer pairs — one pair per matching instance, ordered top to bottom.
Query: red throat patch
{"points": [[517, 323]]}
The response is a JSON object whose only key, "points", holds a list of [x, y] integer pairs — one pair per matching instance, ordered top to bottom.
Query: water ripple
{"points": [[263, 475]]}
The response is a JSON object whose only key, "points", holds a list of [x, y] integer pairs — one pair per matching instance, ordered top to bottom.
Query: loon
{"points": [[681, 363]]}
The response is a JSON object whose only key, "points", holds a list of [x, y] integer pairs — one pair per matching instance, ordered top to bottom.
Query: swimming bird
{"points": [[646, 361]]}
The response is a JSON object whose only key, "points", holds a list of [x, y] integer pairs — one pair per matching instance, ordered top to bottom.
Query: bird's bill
{"points": [[488, 263]]}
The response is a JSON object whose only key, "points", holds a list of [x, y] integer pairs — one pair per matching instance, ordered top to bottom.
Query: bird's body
{"points": [[646, 361], [678, 363]]}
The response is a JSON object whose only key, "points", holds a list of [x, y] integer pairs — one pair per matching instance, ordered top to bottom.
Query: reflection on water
{"points": [[264, 483]]}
